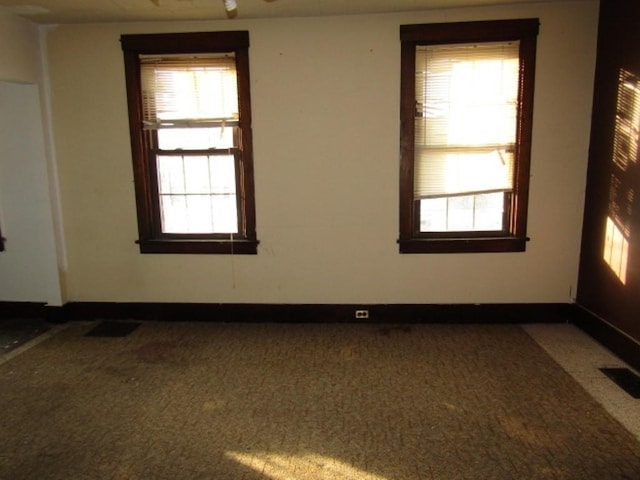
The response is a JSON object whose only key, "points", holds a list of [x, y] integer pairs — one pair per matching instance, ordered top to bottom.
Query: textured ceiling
{"points": [[87, 11]]}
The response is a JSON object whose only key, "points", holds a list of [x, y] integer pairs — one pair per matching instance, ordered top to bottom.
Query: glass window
{"points": [[466, 107], [190, 122]]}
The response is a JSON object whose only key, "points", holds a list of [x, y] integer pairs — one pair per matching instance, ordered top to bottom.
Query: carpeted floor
{"points": [[16, 332], [302, 402]]}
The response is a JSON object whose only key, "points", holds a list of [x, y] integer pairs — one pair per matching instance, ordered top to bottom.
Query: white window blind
{"points": [[188, 91], [190, 101], [465, 121]]}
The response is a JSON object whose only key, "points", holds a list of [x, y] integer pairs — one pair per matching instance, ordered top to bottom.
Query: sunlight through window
{"points": [[191, 104], [466, 116], [465, 134], [622, 183], [616, 250], [301, 467]]}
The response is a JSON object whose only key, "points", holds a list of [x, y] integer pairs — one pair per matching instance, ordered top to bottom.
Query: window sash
{"points": [[194, 176], [476, 215]]}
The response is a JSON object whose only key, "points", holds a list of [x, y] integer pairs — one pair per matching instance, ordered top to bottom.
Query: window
{"points": [[190, 124], [465, 135]]}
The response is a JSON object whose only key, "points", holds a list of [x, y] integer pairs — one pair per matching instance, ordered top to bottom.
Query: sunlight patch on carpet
{"points": [[301, 467]]}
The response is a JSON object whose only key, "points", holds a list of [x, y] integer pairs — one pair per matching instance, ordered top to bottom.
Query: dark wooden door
{"points": [[609, 278]]}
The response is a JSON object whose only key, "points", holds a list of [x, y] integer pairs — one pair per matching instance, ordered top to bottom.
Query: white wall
{"points": [[19, 49], [325, 98], [29, 266]]}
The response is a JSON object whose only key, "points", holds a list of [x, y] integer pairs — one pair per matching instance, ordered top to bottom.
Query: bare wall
{"points": [[19, 49], [325, 97]]}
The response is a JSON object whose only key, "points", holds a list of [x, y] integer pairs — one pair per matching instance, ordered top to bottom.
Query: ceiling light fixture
{"points": [[231, 6]]}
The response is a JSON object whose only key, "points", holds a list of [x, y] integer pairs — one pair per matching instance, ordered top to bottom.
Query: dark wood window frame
{"points": [[151, 238], [514, 239]]}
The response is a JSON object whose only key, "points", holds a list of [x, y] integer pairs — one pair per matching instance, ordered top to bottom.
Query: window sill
{"points": [[463, 245], [236, 247]]}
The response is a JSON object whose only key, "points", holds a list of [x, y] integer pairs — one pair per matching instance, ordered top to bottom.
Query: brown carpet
{"points": [[302, 402]]}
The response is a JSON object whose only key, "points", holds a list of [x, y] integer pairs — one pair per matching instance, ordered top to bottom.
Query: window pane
{"points": [[195, 138], [223, 174], [171, 175], [196, 175], [198, 194], [173, 209], [489, 212], [474, 213], [460, 214], [199, 215], [433, 215], [225, 218]]}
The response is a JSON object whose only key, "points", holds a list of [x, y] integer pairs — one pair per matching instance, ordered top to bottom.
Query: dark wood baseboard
{"points": [[12, 310], [32, 310], [319, 313], [624, 346]]}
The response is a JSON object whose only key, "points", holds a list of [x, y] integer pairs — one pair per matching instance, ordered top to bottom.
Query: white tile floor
{"points": [[582, 357]]}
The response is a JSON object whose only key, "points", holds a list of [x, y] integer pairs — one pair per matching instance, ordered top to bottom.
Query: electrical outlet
{"points": [[362, 313]]}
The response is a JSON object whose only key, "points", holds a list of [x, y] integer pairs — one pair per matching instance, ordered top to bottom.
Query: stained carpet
{"points": [[16, 332], [302, 402]]}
